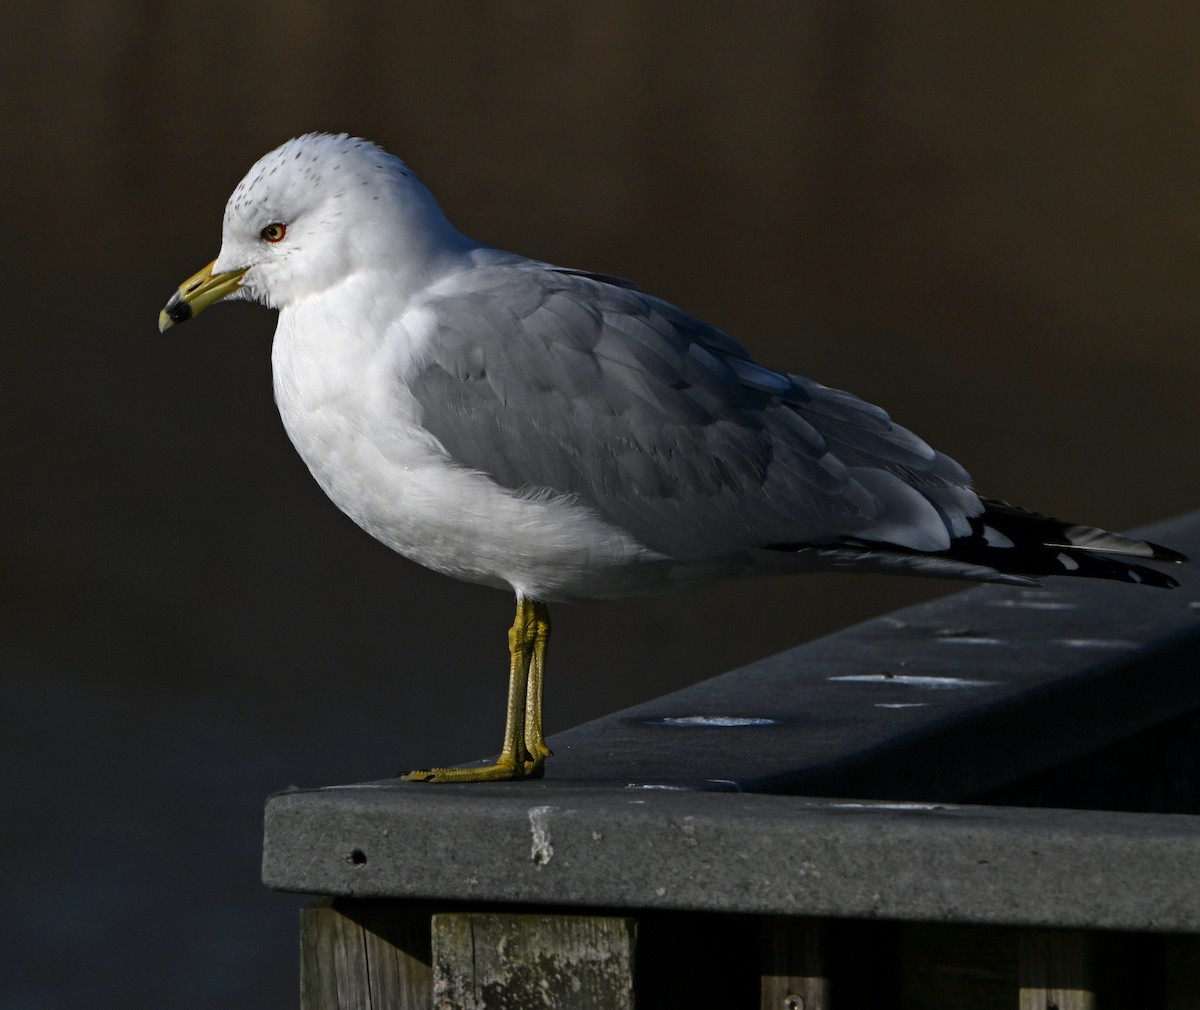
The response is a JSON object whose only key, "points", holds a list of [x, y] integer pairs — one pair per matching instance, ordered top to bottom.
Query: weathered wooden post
{"points": [[793, 970], [1056, 970]]}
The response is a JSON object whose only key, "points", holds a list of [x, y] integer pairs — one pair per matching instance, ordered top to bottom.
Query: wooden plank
{"points": [[364, 956], [492, 961], [1182, 964], [957, 966], [1054, 969], [793, 973]]}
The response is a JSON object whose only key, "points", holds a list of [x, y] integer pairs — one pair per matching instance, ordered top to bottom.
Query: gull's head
{"points": [[311, 214]]}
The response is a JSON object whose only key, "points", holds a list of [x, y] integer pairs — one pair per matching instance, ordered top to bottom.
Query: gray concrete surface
{"points": [[542, 844]]}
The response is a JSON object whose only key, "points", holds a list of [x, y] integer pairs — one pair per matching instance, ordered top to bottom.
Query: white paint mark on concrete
{"points": [[1034, 604], [969, 640], [1096, 643], [913, 680], [717, 721], [664, 786], [889, 806], [542, 849]]}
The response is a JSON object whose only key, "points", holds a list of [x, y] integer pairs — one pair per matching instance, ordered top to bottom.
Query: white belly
{"points": [[346, 409]]}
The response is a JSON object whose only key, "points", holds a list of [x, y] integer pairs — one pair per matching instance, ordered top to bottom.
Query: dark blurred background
{"points": [[984, 217]]}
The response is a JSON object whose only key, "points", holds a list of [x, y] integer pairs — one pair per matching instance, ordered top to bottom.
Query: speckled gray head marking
{"points": [[288, 176], [344, 204]]}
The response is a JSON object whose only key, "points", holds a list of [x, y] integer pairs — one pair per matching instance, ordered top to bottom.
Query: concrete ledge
{"points": [[537, 844]]}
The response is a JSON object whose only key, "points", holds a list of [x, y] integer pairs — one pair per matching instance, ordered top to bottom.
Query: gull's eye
{"points": [[274, 232]]}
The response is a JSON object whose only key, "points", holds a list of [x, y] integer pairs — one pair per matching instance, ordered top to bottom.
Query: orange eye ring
{"points": [[274, 232]]}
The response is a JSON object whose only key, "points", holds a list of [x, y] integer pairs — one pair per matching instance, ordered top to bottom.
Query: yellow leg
{"points": [[524, 747], [536, 750]]}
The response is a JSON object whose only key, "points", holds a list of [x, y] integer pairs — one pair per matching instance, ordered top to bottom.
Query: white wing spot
{"points": [[994, 538]]}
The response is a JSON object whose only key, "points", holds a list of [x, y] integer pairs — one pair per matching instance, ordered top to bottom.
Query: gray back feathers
{"points": [[548, 378]]}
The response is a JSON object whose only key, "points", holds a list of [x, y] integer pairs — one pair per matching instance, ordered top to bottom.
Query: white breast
{"points": [[340, 387]]}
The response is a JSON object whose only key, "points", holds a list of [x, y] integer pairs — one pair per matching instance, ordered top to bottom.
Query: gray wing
{"points": [[549, 378]]}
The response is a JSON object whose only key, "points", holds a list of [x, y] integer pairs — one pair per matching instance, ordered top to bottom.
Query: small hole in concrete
{"points": [[358, 858]]}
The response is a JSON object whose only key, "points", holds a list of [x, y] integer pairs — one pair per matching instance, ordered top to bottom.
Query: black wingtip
{"points": [[1042, 545], [1166, 554], [1140, 574]]}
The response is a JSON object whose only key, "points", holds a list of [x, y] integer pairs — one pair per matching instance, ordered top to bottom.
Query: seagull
{"points": [[564, 435]]}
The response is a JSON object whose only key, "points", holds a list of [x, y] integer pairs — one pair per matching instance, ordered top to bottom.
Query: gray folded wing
{"points": [[554, 379]]}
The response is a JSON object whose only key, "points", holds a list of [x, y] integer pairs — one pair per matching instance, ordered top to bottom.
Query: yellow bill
{"points": [[196, 294]]}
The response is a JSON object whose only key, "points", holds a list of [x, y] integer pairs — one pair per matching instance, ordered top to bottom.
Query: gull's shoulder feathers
{"points": [[548, 378]]}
